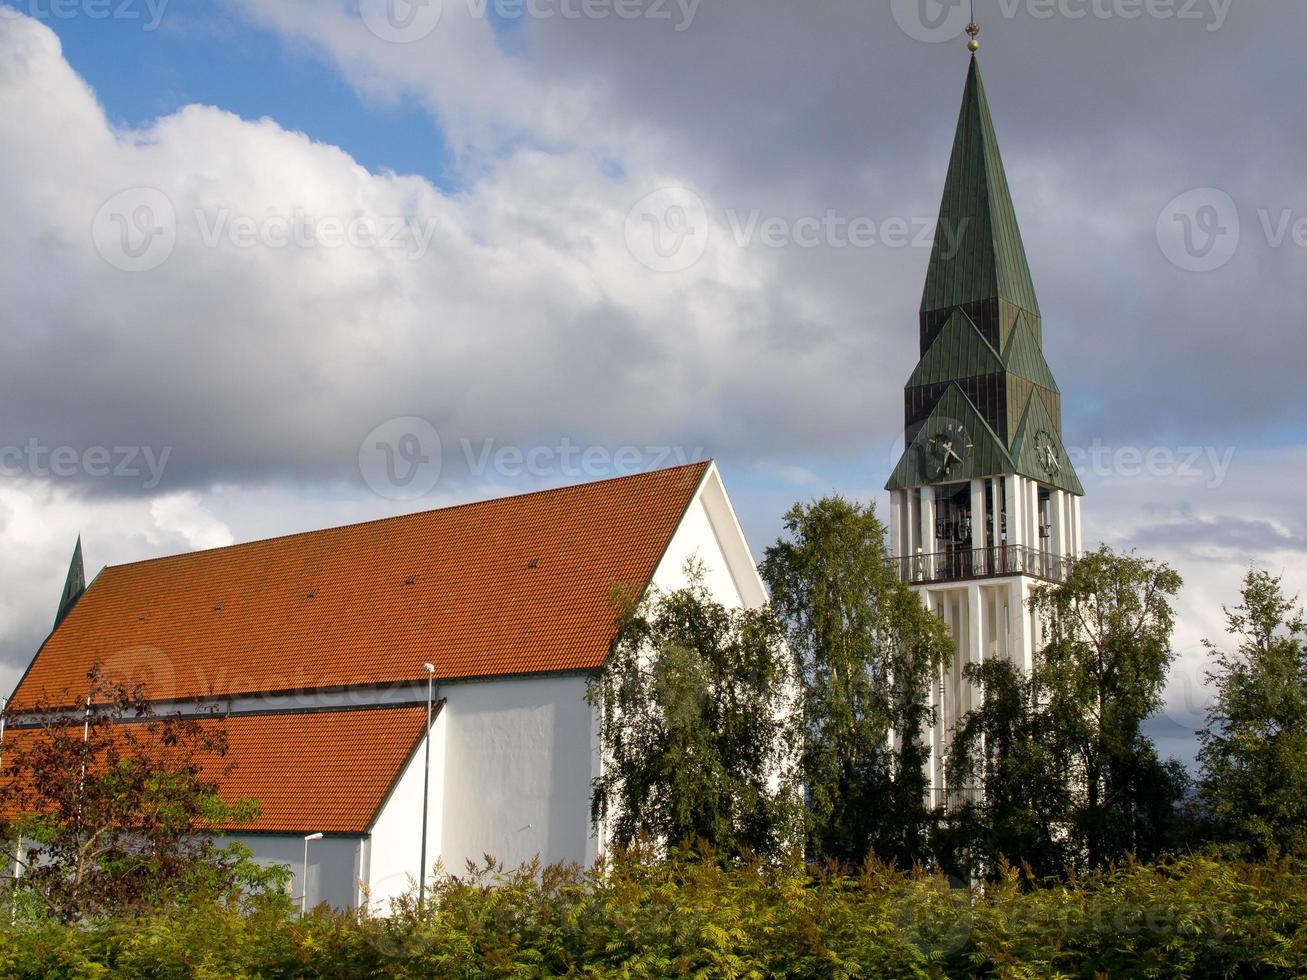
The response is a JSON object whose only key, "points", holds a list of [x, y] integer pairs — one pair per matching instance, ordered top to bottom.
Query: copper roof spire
{"points": [[981, 333]]}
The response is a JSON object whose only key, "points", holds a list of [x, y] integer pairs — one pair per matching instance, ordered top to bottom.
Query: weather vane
{"points": [[973, 29]]}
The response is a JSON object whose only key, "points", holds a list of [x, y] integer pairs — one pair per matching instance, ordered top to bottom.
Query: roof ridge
{"points": [[984, 422], [699, 464], [36, 721]]}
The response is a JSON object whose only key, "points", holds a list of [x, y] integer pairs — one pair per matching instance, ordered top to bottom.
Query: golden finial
{"points": [[973, 29]]}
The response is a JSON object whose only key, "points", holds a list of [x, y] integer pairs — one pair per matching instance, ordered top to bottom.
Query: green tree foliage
{"points": [[867, 651], [695, 706], [1254, 752], [1011, 762], [1068, 778], [107, 804]]}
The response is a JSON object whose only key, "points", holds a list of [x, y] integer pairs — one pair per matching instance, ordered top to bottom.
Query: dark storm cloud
{"points": [[780, 110], [1102, 119], [1221, 538]]}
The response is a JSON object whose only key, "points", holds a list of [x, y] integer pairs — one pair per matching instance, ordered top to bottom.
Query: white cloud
{"points": [[485, 97], [527, 318], [245, 353], [798, 476], [185, 515], [1212, 536]]}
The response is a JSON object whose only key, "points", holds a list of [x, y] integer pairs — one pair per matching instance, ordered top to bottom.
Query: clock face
{"points": [[948, 448], [1046, 454]]}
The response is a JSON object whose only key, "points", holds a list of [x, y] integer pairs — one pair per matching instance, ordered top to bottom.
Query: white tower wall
{"points": [[981, 590]]}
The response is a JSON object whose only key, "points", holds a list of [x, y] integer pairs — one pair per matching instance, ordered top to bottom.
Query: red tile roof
{"points": [[516, 585], [324, 771]]}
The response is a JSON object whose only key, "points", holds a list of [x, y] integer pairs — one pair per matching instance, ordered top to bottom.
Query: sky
{"points": [[278, 266]]}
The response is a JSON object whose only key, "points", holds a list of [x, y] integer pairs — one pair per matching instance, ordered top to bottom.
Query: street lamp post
{"points": [[4, 716], [426, 786], [18, 841], [304, 877]]}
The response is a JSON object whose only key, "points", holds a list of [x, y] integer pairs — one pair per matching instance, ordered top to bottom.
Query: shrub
{"points": [[1200, 917]]}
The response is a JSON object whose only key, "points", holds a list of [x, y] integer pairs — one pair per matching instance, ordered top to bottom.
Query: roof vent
{"points": [[533, 563], [411, 580], [313, 593], [218, 607], [143, 616]]}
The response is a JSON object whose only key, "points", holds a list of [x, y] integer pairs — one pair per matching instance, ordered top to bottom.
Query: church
{"points": [[312, 650], [322, 653]]}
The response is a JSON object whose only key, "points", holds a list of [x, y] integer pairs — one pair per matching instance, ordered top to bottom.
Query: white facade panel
{"points": [[710, 533], [695, 540], [517, 771], [395, 851], [334, 869]]}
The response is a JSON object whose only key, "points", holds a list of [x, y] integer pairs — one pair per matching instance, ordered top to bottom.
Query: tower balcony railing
{"points": [[963, 564], [952, 798]]}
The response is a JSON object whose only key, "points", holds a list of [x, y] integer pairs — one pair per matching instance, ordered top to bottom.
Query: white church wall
{"points": [[710, 533], [695, 540], [517, 771], [395, 849], [335, 864]]}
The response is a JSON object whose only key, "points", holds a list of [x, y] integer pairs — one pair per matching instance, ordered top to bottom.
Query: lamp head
{"points": [[429, 668], [317, 836]]}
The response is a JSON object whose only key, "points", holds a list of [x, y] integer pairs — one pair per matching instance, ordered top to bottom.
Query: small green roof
{"points": [[978, 253], [958, 351], [1024, 358], [1040, 452]]}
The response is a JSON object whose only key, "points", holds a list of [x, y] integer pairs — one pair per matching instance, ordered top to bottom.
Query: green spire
{"points": [[978, 254], [982, 377], [74, 584]]}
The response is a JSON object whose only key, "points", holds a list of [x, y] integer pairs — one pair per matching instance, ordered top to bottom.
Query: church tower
{"points": [[984, 503]]}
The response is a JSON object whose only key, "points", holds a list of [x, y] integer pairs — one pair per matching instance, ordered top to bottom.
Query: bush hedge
{"points": [[1198, 917]]}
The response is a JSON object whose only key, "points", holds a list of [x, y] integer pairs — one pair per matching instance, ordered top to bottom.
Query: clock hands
{"points": [[946, 452], [1050, 459]]}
